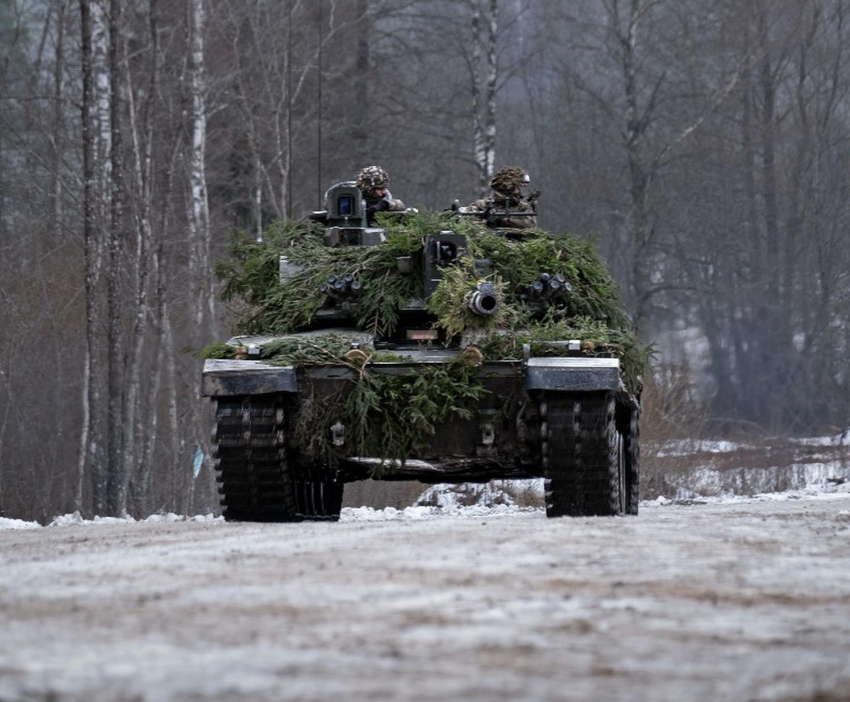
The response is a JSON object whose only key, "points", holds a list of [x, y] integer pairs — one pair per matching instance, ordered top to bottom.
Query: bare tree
{"points": [[484, 90], [142, 136], [199, 215], [114, 326], [91, 448]]}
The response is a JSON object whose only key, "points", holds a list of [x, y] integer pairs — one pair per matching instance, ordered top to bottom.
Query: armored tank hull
{"points": [[566, 419]]}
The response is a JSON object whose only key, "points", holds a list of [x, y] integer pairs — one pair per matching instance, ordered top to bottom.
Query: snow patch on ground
{"points": [[842, 439], [686, 447], [815, 476], [827, 480], [829, 492], [522, 493], [448, 507], [388, 514], [76, 519], [17, 524]]}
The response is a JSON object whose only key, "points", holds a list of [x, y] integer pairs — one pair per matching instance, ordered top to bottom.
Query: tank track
{"points": [[628, 425], [249, 446], [584, 455], [257, 480], [317, 496]]}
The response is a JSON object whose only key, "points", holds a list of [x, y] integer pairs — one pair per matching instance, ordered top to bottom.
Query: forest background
{"points": [[703, 144]]}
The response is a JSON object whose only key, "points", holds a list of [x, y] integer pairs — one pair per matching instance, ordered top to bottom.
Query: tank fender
{"points": [[572, 374], [226, 377]]}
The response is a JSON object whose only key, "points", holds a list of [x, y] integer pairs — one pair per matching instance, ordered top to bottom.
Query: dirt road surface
{"points": [[746, 601]]}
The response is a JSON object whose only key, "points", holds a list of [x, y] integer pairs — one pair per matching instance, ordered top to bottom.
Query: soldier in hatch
{"points": [[373, 182], [507, 184]]}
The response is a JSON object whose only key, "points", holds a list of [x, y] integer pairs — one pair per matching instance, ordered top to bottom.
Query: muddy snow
{"points": [[722, 600]]}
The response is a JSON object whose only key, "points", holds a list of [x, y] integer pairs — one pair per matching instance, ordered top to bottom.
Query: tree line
{"points": [[704, 145]]}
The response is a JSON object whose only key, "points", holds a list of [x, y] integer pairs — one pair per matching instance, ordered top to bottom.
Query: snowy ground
{"points": [[696, 468], [727, 600]]}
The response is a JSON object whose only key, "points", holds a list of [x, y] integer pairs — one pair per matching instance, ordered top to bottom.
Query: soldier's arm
{"points": [[476, 207], [519, 222]]}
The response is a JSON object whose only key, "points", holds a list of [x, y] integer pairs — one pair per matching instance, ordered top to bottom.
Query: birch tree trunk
{"points": [[492, 75], [484, 90], [477, 127], [103, 138], [199, 215], [199, 224]]}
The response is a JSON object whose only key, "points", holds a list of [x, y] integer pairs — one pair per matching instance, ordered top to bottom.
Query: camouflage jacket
{"points": [[499, 203], [385, 204]]}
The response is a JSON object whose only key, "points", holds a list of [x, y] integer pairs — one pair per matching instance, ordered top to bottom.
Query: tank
{"points": [[423, 346]]}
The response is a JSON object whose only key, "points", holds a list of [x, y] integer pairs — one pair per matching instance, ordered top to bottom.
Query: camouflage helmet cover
{"points": [[372, 177], [506, 179]]}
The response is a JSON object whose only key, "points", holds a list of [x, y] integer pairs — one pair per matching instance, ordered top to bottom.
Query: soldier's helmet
{"points": [[372, 177], [507, 179]]}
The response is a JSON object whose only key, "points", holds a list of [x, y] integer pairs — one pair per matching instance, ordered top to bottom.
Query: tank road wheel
{"points": [[583, 456], [250, 460], [318, 495]]}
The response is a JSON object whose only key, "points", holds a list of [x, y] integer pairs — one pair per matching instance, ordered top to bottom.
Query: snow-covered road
{"points": [[726, 601]]}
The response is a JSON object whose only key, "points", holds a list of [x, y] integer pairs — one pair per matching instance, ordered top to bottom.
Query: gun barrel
{"points": [[484, 301]]}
